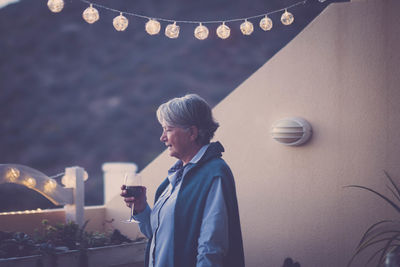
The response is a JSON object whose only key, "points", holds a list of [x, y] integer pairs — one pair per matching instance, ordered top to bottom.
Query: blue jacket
{"points": [[190, 207]]}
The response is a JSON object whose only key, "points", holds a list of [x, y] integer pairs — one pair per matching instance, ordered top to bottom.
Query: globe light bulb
{"points": [[55, 5], [91, 15], [287, 18], [120, 22], [266, 23], [153, 27], [247, 27], [172, 31], [223, 31], [201, 32], [12, 174], [85, 176], [29, 182], [50, 185]]}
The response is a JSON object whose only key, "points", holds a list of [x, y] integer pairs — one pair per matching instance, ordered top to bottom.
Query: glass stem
{"points": [[131, 213]]}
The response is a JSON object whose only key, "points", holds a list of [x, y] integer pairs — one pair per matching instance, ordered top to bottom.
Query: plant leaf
{"points": [[393, 183], [394, 194], [397, 208], [370, 229], [372, 239], [366, 245], [384, 252], [376, 253]]}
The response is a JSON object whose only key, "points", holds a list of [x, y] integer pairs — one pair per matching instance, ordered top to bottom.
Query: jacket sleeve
{"points": [[144, 221], [213, 240]]}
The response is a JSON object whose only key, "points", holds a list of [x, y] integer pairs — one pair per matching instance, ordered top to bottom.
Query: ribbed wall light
{"points": [[292, 131]]}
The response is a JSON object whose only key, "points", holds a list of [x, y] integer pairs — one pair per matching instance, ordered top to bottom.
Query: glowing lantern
{"points": [[55, 5], [91, 15], [287, 18], [153, 27], [247, 27], [223, 31], [201, 32], [12, 174]]}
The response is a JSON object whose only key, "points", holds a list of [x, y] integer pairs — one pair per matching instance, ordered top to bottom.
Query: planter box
{"points": [[130, 254], [125, 255], [65, 259], [28, 261]]}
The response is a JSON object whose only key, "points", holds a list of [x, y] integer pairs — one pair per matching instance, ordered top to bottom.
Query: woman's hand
{"points": [[139, 203]]}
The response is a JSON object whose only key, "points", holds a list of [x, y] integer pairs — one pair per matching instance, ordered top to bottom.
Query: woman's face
{"points": [[178, 140]]}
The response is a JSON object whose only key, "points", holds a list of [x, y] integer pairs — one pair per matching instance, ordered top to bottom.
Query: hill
{"points": [[78, 94]]}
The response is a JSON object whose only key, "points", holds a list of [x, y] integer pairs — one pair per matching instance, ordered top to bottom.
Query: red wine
{"points": [[133, 191]]}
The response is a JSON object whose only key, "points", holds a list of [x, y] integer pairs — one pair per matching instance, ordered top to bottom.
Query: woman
{"points": [[195, 218]]}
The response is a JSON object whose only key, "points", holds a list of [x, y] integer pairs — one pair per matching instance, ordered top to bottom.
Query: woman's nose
{"points": [[162, 137]]}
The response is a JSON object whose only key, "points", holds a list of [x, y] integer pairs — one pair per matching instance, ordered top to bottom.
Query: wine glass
{"points": [[133, 187]]}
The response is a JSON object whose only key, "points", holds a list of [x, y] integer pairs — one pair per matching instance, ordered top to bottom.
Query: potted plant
{"points": [[384, 235], [69, 245], [19, 249], [113, 249]]}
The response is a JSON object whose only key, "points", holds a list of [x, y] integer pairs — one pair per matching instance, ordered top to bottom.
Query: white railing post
{"points": [[114, 177], [74, 178]]}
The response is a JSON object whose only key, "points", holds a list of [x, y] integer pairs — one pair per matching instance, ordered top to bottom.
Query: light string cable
{"points": [[191, 21], [201, 32], [57, 175]]}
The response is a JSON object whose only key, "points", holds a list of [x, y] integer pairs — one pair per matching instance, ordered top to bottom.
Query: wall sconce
{"points": [[292, 131]]}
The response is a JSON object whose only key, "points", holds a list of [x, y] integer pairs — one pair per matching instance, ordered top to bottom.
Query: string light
{"points": [[55, 5], [91, 15], [287, 18], [120, 22], [266, 23], [153, 27], [247, 27], [172, 30], [223, 31], [201, 32], [12, 174], [29, 182], [50, 185]]}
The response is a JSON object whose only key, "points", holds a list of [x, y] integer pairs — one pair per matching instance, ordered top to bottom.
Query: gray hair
{"points": [[186, 111]]}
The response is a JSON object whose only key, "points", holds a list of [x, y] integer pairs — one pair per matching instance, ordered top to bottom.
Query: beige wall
{"points": [[341, 74], [27, 222]]}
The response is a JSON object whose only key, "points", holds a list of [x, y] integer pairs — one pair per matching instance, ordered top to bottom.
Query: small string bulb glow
{"points": [[55, 5], [91, 15], [287, 18], [120, 22], [266, 23], [153, 27], [247, 27], [172, 31], [223, 31], [201, 32], [12, 174], [85, 175], [29, 182], [50, 185]]}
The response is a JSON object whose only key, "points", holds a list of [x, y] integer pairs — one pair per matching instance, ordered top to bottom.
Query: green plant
{"points": [[384, 234], [68, 235], [56, 238], [17, 245]]}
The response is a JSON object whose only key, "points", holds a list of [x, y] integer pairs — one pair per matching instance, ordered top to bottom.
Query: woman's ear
{"points": [[194, 132]]}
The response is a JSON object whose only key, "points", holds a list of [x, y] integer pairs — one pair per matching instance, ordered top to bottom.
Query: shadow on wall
{"points": [[289, 263]]}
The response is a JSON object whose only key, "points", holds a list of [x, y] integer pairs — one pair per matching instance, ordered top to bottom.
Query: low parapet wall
{"points": [[28, 221]]}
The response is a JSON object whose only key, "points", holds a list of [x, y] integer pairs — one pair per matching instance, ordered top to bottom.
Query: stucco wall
{"points": [[341, 74], [27, 222]]}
